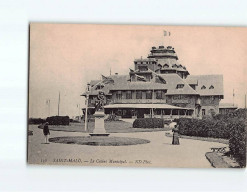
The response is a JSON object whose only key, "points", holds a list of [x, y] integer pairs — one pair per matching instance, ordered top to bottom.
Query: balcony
{"points": [[162, 55], [138, 101]]}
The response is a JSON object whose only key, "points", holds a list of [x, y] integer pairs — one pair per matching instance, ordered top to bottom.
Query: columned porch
{"points": [[164, 111]]}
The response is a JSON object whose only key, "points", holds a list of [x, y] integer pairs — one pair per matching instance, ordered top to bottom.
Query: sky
{"points": [[64, 57]]}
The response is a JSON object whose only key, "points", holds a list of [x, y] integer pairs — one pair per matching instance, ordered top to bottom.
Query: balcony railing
{"points": [[162, 54], [137, 101], [168, 116]]}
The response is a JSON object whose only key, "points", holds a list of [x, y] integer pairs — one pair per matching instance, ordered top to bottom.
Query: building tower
{"points": [[162, 60]]}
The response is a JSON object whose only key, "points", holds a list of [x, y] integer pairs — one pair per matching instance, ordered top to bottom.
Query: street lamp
{"points": [[87, 97]]}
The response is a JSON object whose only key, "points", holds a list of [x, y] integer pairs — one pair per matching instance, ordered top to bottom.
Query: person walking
{"points": [[46, 132], [175, 139]]}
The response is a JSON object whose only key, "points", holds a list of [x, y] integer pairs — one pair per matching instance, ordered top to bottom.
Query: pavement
{"points": [[158, 153]]}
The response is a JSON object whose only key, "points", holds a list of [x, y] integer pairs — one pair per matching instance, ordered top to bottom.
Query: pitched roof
{"points": [[173, 80], [208, 80], [191, 81], [93, 82], [121, 82], [106, 89]]}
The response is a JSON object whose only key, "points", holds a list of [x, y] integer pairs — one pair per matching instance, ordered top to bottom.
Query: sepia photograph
{"points": [[137, 95]]}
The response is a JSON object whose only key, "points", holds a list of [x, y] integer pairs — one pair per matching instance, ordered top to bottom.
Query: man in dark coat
{"points": [[46, 132]]}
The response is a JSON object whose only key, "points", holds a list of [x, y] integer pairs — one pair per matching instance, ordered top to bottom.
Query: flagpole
{"points": [[233, 97], [245, 101], [58, 102], [49, 106]]}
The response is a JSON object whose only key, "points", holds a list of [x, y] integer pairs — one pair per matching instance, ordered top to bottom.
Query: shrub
{"points": [[239, 113], [58, 120], [35, 121], [148, 123], [230, 126], [203, 128], [237, 141]]}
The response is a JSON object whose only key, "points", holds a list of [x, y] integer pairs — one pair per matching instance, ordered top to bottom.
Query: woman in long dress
{"points": [[175, 139]]}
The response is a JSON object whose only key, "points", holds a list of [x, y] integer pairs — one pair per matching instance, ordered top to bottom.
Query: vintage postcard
{"points": [[137, 96]]}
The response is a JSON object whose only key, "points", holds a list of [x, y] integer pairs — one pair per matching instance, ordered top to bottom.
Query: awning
{"points": [[156, 106]]}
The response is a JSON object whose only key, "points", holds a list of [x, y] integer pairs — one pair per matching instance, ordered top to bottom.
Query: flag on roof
{"points": [[167, 33], [158, 76], [103, 77], [140, 78], [107, 80]]}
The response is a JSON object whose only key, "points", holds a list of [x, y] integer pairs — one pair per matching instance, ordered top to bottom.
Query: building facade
{"points": [[158, 86], [225, 108]]}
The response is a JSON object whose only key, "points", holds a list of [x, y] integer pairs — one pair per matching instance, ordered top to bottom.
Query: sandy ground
{"points": [[158, 153]]}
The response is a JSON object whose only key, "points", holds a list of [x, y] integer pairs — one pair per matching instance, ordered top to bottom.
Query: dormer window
{"points": [[159, 65], [166, 66], [174, 66], [99, 86], [180, 86], [203, 87], [211, 87]]}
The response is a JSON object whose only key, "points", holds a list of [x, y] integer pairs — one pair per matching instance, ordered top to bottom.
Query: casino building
{"points": [[158, 86]]}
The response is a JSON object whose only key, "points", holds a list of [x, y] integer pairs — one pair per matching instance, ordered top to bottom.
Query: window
{"points": [[166, 66], [143, 68], [99, 86], [179, 86], [193, 86], [203, 87], [211, 87], [138, 94], [119, 95], [129, 95], [149, 95], [158, 95], [177, 97], [203, 112]]}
